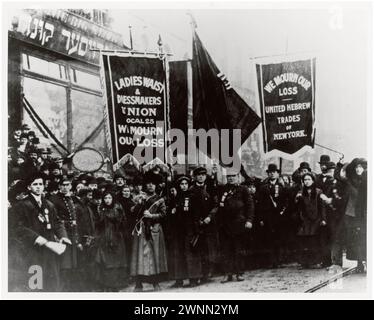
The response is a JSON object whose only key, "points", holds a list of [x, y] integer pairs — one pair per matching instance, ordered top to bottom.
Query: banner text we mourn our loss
{"points": [[196, 144]]}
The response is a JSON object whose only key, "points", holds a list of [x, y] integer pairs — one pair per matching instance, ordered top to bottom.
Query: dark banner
{"points": [[179, 95], [287, 100], [216, 104], [135, 106]]}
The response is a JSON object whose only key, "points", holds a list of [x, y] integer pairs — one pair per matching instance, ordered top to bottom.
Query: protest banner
{"points": [[287, 100], [136, 107]]}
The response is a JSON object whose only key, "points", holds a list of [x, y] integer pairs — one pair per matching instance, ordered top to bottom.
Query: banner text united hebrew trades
{"points": [[287, 100], [135, 102]]}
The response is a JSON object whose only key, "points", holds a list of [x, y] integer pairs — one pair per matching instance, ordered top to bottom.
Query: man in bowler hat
{"points": [[272, 205]]}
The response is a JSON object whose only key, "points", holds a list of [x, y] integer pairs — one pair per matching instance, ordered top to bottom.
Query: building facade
{"points": [[53, 62]]}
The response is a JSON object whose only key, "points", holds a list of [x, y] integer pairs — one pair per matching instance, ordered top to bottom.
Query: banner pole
{"points": [[130, 34], [131, 52], [189, 111], [166, 112], [327, 148], [280, 164]]}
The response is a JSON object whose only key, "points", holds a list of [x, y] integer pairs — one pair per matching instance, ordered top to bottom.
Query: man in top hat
{"points": [[323, 161], [322, 179], [203, 203], [272, 203], [70, 212], [235, 214], [33, 222]]}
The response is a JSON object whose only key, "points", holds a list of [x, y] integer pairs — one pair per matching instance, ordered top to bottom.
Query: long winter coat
{"points": [[69, 210], [312, 212], [356, 218], [111, 251], [149, 256], [185, 260]]}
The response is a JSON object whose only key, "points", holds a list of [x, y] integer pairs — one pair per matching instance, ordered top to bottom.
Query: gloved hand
{"points": [[207, 220], [248, 225], [65, 240], [40, 241]]}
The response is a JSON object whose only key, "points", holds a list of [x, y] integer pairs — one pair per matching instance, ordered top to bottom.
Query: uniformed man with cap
{"points": [[59, 161], [203, 203], [272, 205], [70, 212], [235, 214]]}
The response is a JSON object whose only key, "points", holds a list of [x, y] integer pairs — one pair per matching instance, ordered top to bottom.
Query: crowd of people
{"points": [[151, 228]]}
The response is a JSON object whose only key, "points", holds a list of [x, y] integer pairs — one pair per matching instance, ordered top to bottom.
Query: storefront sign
{"points": [[66, 33], [287, 100]]}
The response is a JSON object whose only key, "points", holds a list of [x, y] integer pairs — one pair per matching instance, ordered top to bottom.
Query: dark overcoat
{"points": [[272, 201], [203, 204], [236, 207], [69, 210], [312, 211], [27, 221], [185, 259]]}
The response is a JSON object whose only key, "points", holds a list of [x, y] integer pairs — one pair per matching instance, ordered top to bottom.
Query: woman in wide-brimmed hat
{"points": [[355, 175], [148, 255]]}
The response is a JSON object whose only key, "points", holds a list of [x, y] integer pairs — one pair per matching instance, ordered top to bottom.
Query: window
{"points": [[44, 67], [85, 79], [47, 84], [49, 102], [87, 112]]}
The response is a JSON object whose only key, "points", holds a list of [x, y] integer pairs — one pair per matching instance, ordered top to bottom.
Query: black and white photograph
{"points": [[187, 149]]}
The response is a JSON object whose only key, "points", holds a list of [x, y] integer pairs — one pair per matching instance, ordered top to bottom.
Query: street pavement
{"points": [[288, 279]]}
